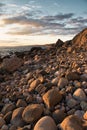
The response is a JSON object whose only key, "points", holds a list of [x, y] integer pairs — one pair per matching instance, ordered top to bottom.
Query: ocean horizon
{"points": [[11, 49]]}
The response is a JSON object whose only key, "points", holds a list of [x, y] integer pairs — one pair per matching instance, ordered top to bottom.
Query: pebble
{"points": [[55, 81], [62, 82], [34, 84], [77, 84], [21, 103], [71, 103], [83, 105], [79, 113]]}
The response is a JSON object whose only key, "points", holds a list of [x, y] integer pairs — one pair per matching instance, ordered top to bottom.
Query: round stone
{"points": [[79, 94], [52, 97], [32, 112], [17, 117], [71, 122], [45, 123]]}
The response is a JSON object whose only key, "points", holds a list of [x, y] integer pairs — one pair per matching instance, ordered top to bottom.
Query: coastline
{"points": [[4, 51]]}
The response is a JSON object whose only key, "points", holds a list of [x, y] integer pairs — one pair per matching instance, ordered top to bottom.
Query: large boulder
{"points": [[11, 64], [52, 97], [32, 113], [17, 117], [71, 122], [45, 123]]}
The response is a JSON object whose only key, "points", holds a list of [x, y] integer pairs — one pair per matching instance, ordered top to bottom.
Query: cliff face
{"points": [[81, 38]]}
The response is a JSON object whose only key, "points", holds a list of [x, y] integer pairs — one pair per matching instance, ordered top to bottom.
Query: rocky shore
{"points": [[45, 88]]}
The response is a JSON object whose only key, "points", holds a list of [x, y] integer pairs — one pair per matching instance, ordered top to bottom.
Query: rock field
{"points": [[45, 89]]}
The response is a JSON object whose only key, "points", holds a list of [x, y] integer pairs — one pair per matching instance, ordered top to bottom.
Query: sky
{"points": [[36, 22]]}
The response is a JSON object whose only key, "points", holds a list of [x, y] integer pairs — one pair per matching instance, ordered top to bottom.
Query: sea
{"points": [[8, 50], [4, 51]]}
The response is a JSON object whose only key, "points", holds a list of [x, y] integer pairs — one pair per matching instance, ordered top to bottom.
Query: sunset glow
{"points": [[27, 22]]}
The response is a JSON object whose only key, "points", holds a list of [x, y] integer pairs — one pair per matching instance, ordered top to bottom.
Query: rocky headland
{"points": [[45, 88]]}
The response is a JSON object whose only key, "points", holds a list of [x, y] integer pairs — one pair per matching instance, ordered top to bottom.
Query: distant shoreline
{"points": [[7, 50]]}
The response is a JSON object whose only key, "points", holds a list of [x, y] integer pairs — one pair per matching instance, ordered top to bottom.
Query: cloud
{"points": [[2, 4], [58, 17], [22, 20], [78, 22], [60, 24]]}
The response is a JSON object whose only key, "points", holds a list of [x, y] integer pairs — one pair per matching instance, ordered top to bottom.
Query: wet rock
{"points": [[11, 64], [79, 94], [52, 97], [32, 112], [58, 115], [16, 119], [45, 123], [71, 123]]}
